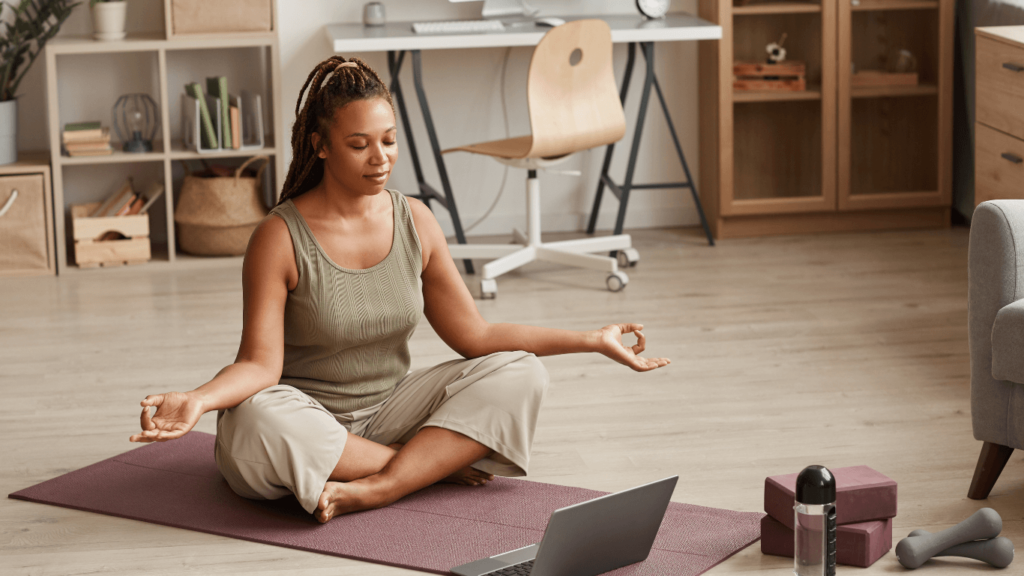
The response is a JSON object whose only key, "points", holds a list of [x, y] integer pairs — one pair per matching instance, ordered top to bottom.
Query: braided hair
{"points": [[348, 81]]}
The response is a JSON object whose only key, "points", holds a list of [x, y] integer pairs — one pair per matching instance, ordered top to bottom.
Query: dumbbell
{"points": [[914, 551], [997, 551]]}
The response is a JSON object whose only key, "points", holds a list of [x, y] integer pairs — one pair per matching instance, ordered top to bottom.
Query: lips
{"points": [[379, 177]]}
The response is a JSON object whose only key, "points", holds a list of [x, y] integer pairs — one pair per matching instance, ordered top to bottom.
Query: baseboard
{"points": [[852, 221], [574, 222]]}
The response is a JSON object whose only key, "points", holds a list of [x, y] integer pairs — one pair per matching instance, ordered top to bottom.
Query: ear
{"points": [[315, 140]]}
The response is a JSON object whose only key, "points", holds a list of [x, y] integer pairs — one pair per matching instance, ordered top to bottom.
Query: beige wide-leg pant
{"points": [[280, 441]]}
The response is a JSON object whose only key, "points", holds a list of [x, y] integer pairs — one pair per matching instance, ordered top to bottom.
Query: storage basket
{"points": [[212, 17], [216, 215]]}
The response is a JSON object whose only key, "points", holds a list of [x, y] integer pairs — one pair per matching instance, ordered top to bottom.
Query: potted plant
{"points": [[108, 18], [22, 38]]}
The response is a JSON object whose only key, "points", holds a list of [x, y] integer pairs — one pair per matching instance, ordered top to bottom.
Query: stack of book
{"points": [[86, 139], [125, 201], [865, 507]]}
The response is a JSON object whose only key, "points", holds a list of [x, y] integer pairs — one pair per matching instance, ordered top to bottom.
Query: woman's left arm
{"points": [[450, 309]]}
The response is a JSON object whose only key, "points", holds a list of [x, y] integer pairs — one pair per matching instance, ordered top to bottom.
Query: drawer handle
{"points": [[1013, 67], [1012, 157], [7, 205]]}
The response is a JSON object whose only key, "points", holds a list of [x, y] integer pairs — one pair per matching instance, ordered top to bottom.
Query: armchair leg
{"points": [[990, 465]]}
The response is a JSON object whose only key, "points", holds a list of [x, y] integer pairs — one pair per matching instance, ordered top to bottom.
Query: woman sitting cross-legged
{"points": [[320, 402]]}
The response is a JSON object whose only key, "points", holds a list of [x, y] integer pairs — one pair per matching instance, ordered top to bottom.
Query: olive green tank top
{"points": [[346, 332]]}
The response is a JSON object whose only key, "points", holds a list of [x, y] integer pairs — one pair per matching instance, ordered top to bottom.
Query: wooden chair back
{"points": [[573, 100]]}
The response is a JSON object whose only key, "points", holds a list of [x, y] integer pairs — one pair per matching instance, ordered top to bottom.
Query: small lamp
{"points": [[135, 122]]}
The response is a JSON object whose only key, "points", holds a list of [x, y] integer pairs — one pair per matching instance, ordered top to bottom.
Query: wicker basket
{"points": [[216, 215]]}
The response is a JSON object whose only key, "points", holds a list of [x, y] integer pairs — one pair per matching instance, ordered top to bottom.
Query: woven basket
{"points": [[216, 215]]}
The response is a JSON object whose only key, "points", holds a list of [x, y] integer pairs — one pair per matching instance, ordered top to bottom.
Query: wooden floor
{"points": [[836, 350]]}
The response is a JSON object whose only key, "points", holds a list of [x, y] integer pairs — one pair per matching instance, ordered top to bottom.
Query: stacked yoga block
{"points": [[865, 507]]}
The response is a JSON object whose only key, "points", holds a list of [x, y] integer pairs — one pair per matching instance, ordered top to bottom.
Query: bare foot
{"points": [[469, 476], [343, 497]]}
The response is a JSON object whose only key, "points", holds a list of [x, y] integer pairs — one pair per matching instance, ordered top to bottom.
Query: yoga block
{"points": [[862, 494], [858, 544]]}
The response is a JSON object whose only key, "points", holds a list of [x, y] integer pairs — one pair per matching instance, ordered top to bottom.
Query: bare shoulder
{"points": [[429, 231], [270, 254]]}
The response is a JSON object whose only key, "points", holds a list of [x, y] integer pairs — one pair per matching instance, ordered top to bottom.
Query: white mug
{"points": [[373, 14]]}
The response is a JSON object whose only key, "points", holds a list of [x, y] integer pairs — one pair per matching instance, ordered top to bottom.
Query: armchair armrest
{"points": [[995, 279]]}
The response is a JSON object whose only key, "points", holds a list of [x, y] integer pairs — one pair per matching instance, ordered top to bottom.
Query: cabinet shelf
{"points": [[878, 5], [777, 8], [155, 42], [893, 91], [812, 93], [180, 152], [118, 156]]}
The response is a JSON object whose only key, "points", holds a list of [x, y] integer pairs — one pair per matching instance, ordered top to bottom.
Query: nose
{"points": [[379, 156]]}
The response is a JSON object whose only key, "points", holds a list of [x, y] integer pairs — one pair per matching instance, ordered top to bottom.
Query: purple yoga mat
{"points": [[433, 530]]}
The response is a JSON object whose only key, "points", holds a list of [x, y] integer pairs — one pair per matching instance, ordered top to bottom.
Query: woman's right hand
{"points": [[176, 414]]}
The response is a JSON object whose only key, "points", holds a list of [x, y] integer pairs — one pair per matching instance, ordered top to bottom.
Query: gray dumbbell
{"points": [[984, 524], [997, 551]]}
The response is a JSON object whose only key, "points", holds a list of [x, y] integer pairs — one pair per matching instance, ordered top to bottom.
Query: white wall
{"points": [[463, 87]]}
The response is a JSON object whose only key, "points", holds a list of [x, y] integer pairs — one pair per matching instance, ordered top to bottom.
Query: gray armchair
{"points": [[996, 331]]}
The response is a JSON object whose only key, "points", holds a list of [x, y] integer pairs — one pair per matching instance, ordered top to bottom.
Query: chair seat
{"points": [[518, 147], [1008, 343]]}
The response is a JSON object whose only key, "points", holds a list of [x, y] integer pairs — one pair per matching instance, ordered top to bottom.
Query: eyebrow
{"points": [[367, 135]]}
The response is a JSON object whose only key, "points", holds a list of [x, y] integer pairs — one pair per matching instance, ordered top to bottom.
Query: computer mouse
{"points": [[549, 21]]}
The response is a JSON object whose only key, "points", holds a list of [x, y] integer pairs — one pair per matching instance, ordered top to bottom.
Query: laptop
{"points": [[588, 538]]}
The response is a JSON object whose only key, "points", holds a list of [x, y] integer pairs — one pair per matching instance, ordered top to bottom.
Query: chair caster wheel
{"points": [[628, 257], [617, 281], [488, 289]]}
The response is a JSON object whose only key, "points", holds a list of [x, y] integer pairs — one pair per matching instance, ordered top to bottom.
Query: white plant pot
{"points": [[108, 20], [8, 131]]}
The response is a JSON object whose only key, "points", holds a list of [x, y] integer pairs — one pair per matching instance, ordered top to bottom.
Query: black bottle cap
{"points": [[815, 485]]}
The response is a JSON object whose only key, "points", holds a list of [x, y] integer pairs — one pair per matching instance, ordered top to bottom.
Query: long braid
{"points": [[350, 80]]}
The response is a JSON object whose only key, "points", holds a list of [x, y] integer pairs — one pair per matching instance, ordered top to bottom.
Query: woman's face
{"points": [[362, 148]]}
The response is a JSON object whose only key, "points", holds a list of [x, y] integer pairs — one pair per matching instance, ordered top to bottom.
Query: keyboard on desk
{"points": [[457, 26], [521, 569]]}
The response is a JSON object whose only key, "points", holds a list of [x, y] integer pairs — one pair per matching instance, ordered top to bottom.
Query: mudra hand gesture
{"points": [[610, 344], [176, 414]]}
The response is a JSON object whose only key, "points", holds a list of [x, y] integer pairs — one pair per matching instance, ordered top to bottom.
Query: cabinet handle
{"points": [[1013, 67], [1006, 155], [7, 205]]}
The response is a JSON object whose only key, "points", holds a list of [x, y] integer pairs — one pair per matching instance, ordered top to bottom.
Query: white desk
{"points": [[625, 28], [397, 38]]}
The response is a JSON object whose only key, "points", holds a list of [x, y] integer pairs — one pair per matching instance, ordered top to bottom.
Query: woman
{"points": [[318, 402]]}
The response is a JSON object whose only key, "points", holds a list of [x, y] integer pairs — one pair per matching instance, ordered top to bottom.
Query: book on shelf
{"points": [[217, 86], [236, 127], [208, 133], [101, 135], [86, 146], [107, 151], [150, 194], [113, 202]]}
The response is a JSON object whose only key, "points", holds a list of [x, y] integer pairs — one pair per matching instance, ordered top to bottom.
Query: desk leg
{"points": [[630, 59], [395, 68], [682, 160], [622, 192], [448, 199]]}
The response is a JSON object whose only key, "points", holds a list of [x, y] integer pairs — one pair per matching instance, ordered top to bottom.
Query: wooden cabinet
{"points": [[999, 114], [833, 157], [26, 217]]}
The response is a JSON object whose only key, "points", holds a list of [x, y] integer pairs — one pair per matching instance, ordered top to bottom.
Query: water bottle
{"points": [[815, 523]]}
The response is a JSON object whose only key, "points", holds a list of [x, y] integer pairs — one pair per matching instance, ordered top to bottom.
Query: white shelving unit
{"points": [[166, 147]]}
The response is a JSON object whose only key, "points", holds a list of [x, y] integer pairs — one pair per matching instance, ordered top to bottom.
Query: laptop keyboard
{"points": [[521, 569]]}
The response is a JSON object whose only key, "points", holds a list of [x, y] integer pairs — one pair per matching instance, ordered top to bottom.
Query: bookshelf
{"points": [[157, 64], [833, 157]]}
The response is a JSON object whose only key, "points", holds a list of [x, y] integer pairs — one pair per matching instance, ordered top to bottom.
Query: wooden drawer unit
{"points": [[999, 85], [999, 114], [998, 165], [26, 224]]}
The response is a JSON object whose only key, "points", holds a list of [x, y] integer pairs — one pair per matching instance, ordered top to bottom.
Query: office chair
{"points": [[574, 105]]}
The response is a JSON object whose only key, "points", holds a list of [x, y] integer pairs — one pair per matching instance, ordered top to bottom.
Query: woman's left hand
{"points": [[610, 344]]}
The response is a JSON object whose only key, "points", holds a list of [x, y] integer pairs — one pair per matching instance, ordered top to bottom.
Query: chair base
{"points": [[528, 247]]}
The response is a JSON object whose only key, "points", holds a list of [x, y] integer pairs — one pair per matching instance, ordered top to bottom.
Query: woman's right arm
{"points": [[268, 272]]}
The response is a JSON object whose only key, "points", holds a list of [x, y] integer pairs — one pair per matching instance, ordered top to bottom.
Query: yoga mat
{"points": [[177, 484]]}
